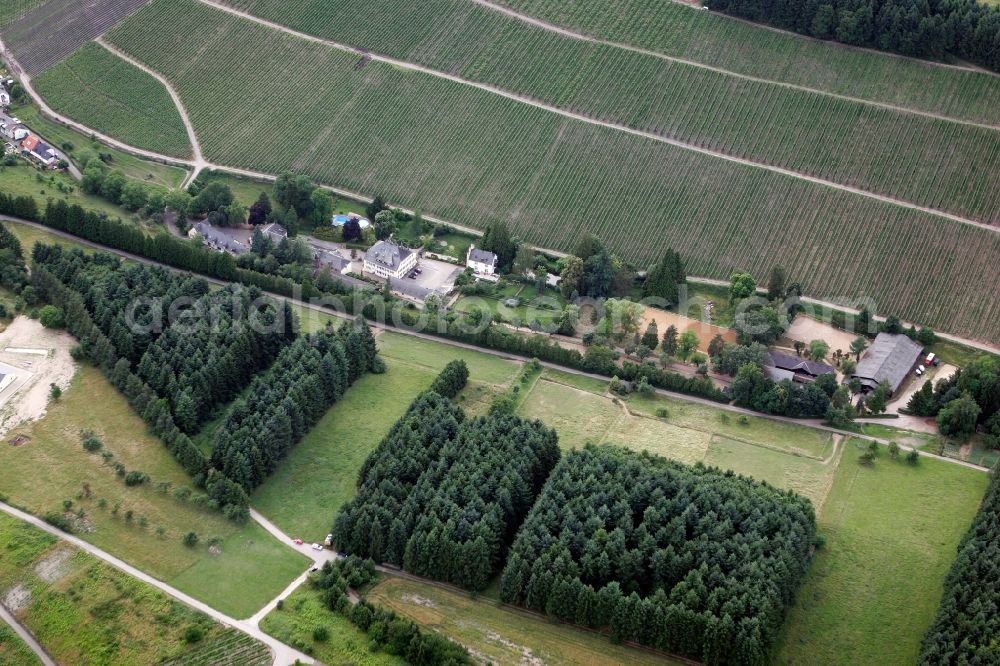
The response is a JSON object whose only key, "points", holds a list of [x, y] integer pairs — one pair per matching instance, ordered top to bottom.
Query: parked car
{"points": [[920, 371], [298, 542], [316, 546], [313, 569]]}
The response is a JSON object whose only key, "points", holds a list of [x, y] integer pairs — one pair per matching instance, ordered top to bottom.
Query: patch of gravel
{"points": [[52, 568], [17, 598], [419, 600]]}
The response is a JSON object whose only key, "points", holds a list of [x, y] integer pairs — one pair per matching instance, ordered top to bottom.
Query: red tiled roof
{"points": [[29, 142]]}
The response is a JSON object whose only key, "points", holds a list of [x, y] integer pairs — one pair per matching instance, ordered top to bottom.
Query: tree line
{"points": [[939, 29], [284, 402], [443, 497], [689, 560], [967, 623], [388, 631]]}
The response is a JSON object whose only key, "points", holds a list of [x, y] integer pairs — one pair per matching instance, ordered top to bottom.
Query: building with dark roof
{"points": [[217, 238], [330, 259], [387, 259], [481, 261], [890, 358], [801, 369]]}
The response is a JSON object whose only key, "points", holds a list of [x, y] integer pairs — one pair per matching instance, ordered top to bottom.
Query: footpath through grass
{"points": [[52, 467], [891, 532], [84, 611]]}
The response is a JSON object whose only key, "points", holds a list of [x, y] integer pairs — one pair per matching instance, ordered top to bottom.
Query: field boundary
{"points": [[403, 64]]}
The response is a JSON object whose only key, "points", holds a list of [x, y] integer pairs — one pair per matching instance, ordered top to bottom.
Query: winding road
{"points": [[26, 636]]}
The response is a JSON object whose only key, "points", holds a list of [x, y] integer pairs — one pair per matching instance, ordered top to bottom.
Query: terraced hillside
{"points": [[56, 28], [712, 39], [100, 90], [474, 156], [928, 161]]}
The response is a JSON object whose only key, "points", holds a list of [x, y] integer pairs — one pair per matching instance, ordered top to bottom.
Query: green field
{"points": [[739, 46], [98, 89], [890, 152], [151, 173], [23, 179], [719, 215], [321, 472], [891, 533], [252, 567], [83, 611], [304, 611], [502, 635], [15, 651]]}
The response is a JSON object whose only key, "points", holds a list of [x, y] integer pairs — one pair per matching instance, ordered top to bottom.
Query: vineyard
{"points": [[11, 10], [46, 35], [738, 46], [100, 90], [478, 158], [931, 162], [229, 647]]}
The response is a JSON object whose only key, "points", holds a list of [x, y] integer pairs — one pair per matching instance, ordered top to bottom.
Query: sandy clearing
{"points": [[805, 329], [704, 330], [27, 398], [52, 568], [17, 598]]}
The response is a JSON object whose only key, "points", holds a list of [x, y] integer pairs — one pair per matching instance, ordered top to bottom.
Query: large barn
{"points": [[890, 358]]}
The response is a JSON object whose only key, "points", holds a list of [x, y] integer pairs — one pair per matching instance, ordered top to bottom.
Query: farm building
{"points": [[12, 129], [38, 149], [389, 260], [481, 261], [890, 358], [785, 366]]}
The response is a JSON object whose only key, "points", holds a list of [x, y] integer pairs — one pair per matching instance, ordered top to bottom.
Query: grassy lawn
{"points": [[133, 167], [23, 180], [31, 235], [454, 245], [483, 367], [91, 403], [321, 472], [891, 532], [86, 612], [303, 612], [501, 635], [15, 651]]}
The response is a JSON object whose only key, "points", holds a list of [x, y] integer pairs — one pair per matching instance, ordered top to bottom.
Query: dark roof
{"points": [[44, 149], [275, 230], [217, 238], [387, 254], [482, 256], [334, 260], [891, 357], [796, 364], [779, 374]]}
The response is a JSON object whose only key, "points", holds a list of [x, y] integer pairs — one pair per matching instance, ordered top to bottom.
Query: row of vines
{"points": [[474, 157]]}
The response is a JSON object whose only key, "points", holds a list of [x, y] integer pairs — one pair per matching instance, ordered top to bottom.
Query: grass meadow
{"points": [[53, 467], [84, 611], [504, 635], [13, 650]]}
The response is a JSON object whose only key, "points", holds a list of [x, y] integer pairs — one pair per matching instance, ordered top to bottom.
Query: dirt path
{"points": [[565, 32], [599, 123], [199, 162], [26, 636]]}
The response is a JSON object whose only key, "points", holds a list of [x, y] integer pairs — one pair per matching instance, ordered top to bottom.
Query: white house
{"points": [[4, 97], [389, 260], [481, 261]]}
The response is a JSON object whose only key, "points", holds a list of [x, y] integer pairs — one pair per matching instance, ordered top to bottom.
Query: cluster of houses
{"points": [[18, 138], [890, 358]]}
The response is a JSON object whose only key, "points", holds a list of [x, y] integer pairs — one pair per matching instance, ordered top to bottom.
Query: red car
{"points": [[298, 542]]}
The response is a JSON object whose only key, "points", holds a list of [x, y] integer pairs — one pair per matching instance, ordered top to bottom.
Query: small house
{"points": [[40, 150], [481, 261], [804, 371]]}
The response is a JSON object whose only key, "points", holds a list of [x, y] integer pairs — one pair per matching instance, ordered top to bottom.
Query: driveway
{"points": [[436, 275]]}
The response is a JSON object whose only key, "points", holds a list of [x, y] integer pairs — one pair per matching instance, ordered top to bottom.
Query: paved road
{"points": [[652, 136], [320, 309], [26, 636], [283, 654]]}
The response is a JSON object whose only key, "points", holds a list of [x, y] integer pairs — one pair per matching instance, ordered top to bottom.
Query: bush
{"points": [[52, 317], [92, 444], [136, 478], [59, 521], [190, 539], [193, 634], [321, 634]]}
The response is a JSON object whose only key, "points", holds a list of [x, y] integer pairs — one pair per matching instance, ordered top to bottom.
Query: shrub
{"points": [[52, 317], [92, 444], [136, 478], [59, 521], [190, 539], [193, 634], [321, 634]]}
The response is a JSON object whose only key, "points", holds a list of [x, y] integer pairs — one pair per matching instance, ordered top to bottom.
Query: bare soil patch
{"points": [[806, 330], [27, 397], [53, 567], [17, 597]]}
